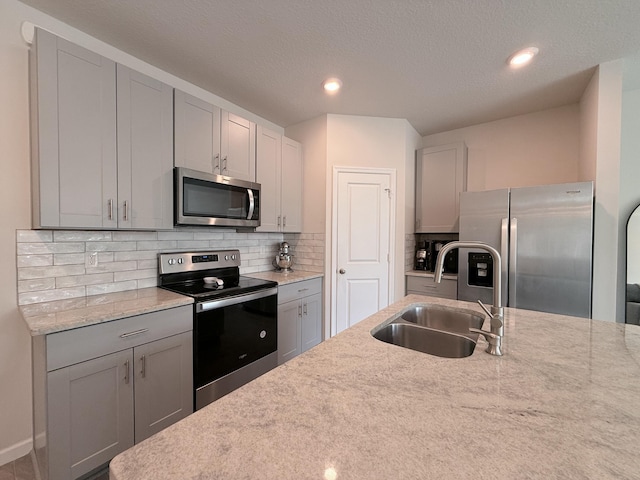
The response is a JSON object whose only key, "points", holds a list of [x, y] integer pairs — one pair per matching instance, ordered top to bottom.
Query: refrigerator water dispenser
{"points": [[480, 270]]}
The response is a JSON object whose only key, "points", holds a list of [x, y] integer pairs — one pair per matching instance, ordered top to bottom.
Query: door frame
{"points": [[334, 234]]}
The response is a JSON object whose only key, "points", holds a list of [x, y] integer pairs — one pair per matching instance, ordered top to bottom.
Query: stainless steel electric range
{"points": [[234, 319]]}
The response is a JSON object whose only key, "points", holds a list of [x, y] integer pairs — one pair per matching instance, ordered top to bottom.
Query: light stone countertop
{"points": [[427, 274], [284, 278], [50, 317], [563, 402]]}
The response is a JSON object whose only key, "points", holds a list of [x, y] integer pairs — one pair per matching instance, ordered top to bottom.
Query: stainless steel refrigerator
{"points": [[545, 238]]}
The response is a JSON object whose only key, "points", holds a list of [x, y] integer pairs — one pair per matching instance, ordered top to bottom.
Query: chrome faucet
{"points": [[494, 337]]}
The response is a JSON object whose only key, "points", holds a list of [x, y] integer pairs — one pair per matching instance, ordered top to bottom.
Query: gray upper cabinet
{"points": [[73, 102], [197, 133], [212, 140], [237, 147], [145, 151], [93, 167], [279, 173], [441, 174]]}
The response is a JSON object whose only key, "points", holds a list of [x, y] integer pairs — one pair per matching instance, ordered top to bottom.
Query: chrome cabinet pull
{"points": [[215, 162], [224, 163], [110, 207], [125, 216], [278, 220], [284, 221], [302, 290], [304, 309], [300, 310], [131, 334], [143, 361], [126, 372]]}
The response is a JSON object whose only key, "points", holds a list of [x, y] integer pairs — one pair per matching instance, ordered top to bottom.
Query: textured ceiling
{"points": [[438, 63]]}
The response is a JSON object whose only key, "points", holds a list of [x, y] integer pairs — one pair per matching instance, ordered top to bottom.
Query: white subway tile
{"points": [[175, 235], [34, 236], [80, 236], [134, 236], [208, 236], [193, 244], [165, 245], [110, 246], [45, 248], [136, 255], [104, 257], [68, 259], [35, 260], [146, 264], [116, 266], [48, 272], [135, 274], [89, 279], [147, 282], [36, 284], [111, 287], [50, 295]]}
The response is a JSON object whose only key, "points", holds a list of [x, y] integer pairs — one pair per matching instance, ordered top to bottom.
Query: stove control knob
{"points": [[226, 257], [233, 257], [172, 261], [180, 261]]}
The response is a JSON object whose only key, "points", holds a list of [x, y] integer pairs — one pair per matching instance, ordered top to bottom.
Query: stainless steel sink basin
{"points": [[447, 319], [433, 329], [426, 340]]}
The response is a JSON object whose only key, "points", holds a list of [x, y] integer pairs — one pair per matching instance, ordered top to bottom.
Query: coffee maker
{"points": [[424, 256]]}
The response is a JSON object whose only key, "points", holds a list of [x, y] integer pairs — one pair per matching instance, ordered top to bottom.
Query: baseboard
{"points": [[16, 451]]}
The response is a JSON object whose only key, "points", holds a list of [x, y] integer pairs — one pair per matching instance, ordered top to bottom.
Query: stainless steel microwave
{"points": [[205, 199]]}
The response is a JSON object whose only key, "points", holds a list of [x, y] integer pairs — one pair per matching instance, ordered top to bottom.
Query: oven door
{"points": [[205, 199], [235, 341]]}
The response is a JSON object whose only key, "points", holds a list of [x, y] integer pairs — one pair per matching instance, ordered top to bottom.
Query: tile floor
{"points": [[22, 469]]}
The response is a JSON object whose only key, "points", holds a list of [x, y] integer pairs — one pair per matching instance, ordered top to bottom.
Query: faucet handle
{"points": [[496, 318], [495, 341]]}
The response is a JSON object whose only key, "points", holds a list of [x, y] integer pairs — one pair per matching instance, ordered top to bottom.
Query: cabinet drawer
{"points": [[448, 288], [294, 291], [80, 344]]}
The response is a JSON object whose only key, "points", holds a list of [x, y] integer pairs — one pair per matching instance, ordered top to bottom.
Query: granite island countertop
{"points": [[563, 402]]}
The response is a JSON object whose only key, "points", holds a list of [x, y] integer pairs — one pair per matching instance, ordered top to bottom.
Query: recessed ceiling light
{"points": [[522, 57], [332, 85]]}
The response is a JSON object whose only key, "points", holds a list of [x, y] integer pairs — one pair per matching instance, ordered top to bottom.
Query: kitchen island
{"points": [[563, 402]]}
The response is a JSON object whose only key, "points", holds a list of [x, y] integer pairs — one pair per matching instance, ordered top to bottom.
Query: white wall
{"points": [[588, 131], [534, 149], [606, 244], [15, 342], [15, 346]]}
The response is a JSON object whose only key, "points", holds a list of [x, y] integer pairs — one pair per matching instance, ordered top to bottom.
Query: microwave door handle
{"points": [[252, 204]]}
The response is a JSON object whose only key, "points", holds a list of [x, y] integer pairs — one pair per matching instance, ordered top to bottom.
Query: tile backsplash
{"points": [[55, 264]]}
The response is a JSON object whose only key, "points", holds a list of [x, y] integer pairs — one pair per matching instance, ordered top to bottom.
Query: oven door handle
{"points": [[226, 302]]}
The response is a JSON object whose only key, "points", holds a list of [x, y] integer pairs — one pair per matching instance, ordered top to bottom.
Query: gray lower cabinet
{"points": [[424, 285], [299, 318], [100, 389]]}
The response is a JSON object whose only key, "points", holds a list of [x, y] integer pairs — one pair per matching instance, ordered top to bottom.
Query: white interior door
{"points": [[362, 246]]}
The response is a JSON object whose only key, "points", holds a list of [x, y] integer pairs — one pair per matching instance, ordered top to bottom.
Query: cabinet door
{"points": [[197, 133], [74, 135], [237, 147], [145, 151], [268, 163], [441, 174], [291, 185], [311, 323], [289, 330], [164, 383], [90, 412]]}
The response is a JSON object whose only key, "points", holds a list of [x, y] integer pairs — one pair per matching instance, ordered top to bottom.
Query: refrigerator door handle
{"points": [[513, 252], [504, 253]]}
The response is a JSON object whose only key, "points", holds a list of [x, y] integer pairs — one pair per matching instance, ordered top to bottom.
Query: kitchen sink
{"points": [[446, 319], [433, 329]]}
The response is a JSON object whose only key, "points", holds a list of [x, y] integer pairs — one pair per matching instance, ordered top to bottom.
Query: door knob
{"points": [[342, 271]]}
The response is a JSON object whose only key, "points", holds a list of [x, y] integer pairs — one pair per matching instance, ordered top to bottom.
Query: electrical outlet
{"points": [[91, 259]]}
